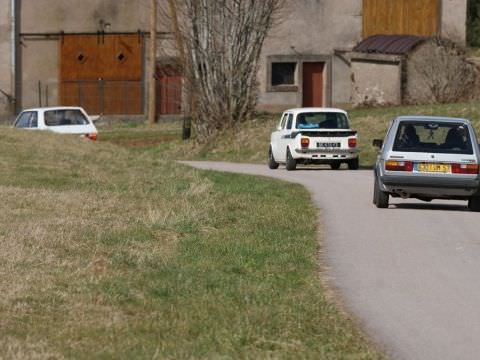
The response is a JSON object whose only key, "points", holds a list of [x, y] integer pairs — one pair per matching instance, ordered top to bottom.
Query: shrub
{"points": [[438, 72]]}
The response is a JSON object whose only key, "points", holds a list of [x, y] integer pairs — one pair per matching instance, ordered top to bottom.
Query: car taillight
{"points": [[92, 136], [305, 142], [352, 142], [391, 165], [465, 169]]}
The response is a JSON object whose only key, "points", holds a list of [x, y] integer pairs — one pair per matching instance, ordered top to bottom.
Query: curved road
{"points": [[410, 273]]}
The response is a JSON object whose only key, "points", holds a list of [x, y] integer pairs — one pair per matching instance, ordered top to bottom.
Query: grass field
{"points": [[249, 142], [112, 250]]}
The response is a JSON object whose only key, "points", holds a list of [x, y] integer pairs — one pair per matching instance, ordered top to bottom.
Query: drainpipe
{"points": [[13, 51], [15, 59]]}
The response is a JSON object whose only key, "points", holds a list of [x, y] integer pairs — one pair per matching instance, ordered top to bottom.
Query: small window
{"points": [[121, 57], [81, 58], [283, 73], [65, 117], [27, 120], [33, 120], [284, 120], [290, 121]]}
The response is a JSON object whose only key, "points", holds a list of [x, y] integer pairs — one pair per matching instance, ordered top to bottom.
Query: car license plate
{"points": [[328, 145], [435, 168]]}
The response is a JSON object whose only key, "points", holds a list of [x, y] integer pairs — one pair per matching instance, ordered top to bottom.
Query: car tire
{"points": [[291, 163], [272, 164], [353, 164], [335, 165], [380, 198], [474, 203]]}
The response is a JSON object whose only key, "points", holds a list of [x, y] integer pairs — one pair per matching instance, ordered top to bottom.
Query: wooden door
{"points": [[400, 17], [102, 73], [313, 84], [169, 90]]}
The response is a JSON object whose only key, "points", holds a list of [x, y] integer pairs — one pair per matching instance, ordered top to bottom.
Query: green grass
{"points": [[249, 142], [115, 251]]}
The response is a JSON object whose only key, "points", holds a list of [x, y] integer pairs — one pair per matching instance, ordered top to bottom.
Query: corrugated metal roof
{"points": [[389, 44]]}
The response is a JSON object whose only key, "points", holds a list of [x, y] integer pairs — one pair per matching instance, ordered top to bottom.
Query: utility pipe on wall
{"points": [[13, 48]]}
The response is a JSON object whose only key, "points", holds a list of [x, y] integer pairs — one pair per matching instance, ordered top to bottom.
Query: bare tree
{"points": [[220, 42], [438, 72]]}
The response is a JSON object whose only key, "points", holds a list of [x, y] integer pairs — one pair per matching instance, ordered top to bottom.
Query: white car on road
{"points": [[63, 120], [313, 136]]}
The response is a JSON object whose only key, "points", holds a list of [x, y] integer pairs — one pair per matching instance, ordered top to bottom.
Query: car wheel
{"points": [[291, 163], [272, 164], [353, 164], [335, 165], [380, 197], [474, 203]]}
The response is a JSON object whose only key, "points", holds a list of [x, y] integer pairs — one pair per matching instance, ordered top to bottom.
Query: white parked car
{"points": [[63, 120], [313, 136]]}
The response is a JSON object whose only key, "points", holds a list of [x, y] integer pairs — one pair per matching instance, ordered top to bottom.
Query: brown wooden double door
{"points": [[102, 73]]}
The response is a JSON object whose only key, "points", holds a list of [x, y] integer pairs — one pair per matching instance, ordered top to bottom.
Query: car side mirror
{"points": [[377, 143]]}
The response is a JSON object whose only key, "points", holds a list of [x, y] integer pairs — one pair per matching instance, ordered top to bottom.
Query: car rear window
{"points": [[65, 117], [322, 120], [433, 137]]}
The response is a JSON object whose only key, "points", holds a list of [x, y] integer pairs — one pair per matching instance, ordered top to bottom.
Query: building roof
{"points": [[389, 44]]}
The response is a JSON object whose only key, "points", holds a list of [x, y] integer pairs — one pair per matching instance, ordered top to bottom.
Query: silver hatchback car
{"points": [[427, 158]]}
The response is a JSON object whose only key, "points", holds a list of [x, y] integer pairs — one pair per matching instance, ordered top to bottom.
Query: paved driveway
{"points": [[410, 273]]}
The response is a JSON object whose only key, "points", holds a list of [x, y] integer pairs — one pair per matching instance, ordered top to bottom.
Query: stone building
{"points": [[93, 53], [307, 57]]}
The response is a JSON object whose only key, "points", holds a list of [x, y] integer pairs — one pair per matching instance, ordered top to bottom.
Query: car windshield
{"points": [[63, 117], [322, 120], [433, 137]]}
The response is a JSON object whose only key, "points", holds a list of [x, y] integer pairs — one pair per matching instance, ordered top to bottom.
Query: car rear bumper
{"points": [[325, 154], [431, 186]]}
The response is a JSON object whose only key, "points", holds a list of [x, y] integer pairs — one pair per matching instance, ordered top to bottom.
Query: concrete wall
{"points": [[83, 16], [454, 20], [309, 28], [40, 73], [341, 80], [376, 80], [6, 86]]}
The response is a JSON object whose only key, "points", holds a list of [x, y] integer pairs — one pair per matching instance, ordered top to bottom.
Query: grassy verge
{"points": [[249, 142], [117, 252]]}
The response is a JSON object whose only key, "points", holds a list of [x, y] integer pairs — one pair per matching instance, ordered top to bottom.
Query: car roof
{"points": [[50, 108], [315, 109], [444, 119]]}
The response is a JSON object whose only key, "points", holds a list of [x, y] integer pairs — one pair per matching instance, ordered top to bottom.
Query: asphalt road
{"points": [[410, 273]]}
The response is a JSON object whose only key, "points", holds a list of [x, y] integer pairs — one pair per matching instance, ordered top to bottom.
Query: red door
{"points": [[313, 84], [169, 90]]}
